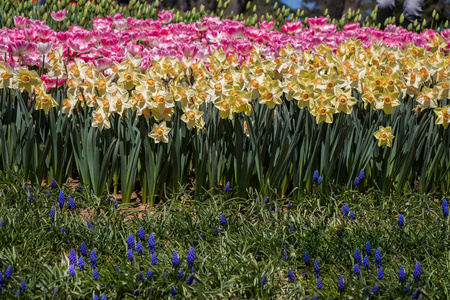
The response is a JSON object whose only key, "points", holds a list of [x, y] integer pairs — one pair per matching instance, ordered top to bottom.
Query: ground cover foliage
{"points": [[236, 248]]}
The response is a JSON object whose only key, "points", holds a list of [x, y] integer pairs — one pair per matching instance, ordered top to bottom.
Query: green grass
{"points": [[229, 265]]}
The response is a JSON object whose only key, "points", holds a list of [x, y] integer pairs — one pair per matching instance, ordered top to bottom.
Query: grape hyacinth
{"points": [[361, 175], [315, 176], [319, 180], [356, 181], [53, 184], [227, 187], [30, 198], [61, 200], [266, 201], [70, 202], [289, 206], [445, 208], [52, 214], [351, 215], [223, 220], [2, 221], [401, 221], [89, 224], [291, 228], [216, 230], [141, 234], [130, 242], [151, 243], [139, 248], [368, 248], [83, 249], [130, 254], [285, 254], [357, 256], [72, 257], [190, 257], [93, 258], [306, 258], [378, 258], [154, 259], [175, 260], [81, 263], [366, 263], [316, 268], [356, 269], [71, 270], [8, 272], [417, 272], [149, 273], [181, 273], [380, 273], [402, 274], [95, 275], [291, 275], [141, 276], [190, 279], [264, 279], [319, 284], [341, 284], [23, 285], [376, 288], [407, 288], [56, 291], [173, 291], [136, 293], [368, 293], [416, 294], [96, 297], [104, 297], [314, 297]]}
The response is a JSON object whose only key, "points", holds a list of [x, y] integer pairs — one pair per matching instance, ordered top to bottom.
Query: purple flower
{"points": [[361, 175], [315, 176], [356, 181], [53, 184], [227, 187], [30, 198], [61, 200], [70, 202], [289, 206], [445, 207], [52, 214], [351, 215], [223, 220], [401, 221], [89, 224], [216, 230], [141, 234], [130, 242], [151, 243], [139, 248], [368, 248], [83, 249], [130, 254], [357, 256], [72, 257], [191, 257], [93, 258], [306, 258], [378, 258], [154, 259], [175, 260], [366, 262], [81, 263], [316, 268], [356, 269], [71, 270], [8, 272], [417, 272], [149, 273], [181, 273], [380, 273], [402, 274], [95, 275], [291, 275], [264, 279], [319, 284], [341, 284], [23, 285], [376, 288], [407, 288], [56, 291], [173, 291], [136, 293]]}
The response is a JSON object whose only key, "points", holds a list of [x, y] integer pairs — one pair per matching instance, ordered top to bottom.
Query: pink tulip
{"points": [[59, 16], [165, 16], [20, 22], [317, 22], [121, 24], [201, 26], [266, 26], [351, 26], [291, 27], [30, 34], [78, 46], [20, 48], [44, 48], [189, 50], [103, 63], [51, 82]]}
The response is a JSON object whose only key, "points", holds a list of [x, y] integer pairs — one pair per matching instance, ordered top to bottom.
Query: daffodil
{"points": [[6, 75], [129, 77], [26, 80], [271, 95], [428, 97], [44, 101], [344, 101], [387, 101], [322, 112], [443, 116], [193, 117], [100, 119], [160, 133], [384, 136]]}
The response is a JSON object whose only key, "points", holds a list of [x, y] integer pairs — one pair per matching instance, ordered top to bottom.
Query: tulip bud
{"points": [[226, 4], [219, 5], [275, 6], [247, 7], [325, 13], [433, 14], [437, 17], [402, 19], [424, 23], [446, 24], [410, 26], [418, 28]]}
